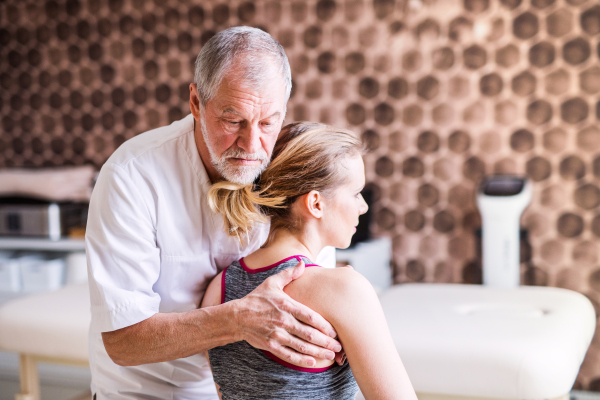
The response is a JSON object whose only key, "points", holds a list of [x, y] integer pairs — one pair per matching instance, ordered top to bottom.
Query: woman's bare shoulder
{"points": [[327, 276], [325, 289]]}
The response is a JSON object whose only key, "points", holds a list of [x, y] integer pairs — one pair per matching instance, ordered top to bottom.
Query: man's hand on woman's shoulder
{"points": [[270, 320]]}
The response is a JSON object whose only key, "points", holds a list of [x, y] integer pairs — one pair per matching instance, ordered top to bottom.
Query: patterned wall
{"points": [[442, 91]]}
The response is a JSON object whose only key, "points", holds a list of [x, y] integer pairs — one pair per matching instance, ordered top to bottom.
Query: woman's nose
{"points": [[364, 207]]}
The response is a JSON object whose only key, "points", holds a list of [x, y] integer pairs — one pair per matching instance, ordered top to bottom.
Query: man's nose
{"points": [[249, 140]]}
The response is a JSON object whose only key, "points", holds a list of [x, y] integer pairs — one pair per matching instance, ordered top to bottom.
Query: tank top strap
{"points": [[238, 279]]}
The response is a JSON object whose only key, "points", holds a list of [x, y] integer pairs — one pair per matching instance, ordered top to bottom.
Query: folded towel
{"points": [[55, 184]]}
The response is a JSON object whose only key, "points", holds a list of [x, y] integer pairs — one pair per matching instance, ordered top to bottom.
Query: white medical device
{"points": [[501, 200]]}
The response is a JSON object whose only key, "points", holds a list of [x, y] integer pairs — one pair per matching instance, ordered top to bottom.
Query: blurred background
{"points": [[442, 91]]}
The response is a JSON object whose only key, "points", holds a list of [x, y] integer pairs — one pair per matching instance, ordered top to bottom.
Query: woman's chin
{"points": [[343, 245]]}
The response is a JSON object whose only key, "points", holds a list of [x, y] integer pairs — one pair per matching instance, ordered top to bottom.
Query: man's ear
{"points": [[194, 101], [313, 203]]}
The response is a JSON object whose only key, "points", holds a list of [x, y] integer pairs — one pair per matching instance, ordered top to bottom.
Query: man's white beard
{"points": [[241, 174]]}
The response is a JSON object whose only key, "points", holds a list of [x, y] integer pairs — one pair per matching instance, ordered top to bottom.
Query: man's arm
{"points": [[267, 319], [168, 336]]}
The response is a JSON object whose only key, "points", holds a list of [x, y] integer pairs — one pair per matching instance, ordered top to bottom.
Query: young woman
{"points": [[311, 193]]}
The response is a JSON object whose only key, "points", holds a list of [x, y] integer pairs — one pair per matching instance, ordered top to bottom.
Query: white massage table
{"points": [[456, 341], [475, 342]]}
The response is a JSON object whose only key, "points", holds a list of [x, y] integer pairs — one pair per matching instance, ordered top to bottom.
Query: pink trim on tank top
{"points": [[268, 267], [223, 285], [295, 367]]}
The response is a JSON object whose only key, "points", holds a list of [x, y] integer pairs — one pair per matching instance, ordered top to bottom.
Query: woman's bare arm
{"points": [[212, 298], [347, 300]]}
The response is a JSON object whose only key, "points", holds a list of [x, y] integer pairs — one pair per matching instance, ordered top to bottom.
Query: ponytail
{"points": [[240, 206]]}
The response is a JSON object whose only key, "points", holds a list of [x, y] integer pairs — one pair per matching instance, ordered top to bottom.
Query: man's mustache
{"points": [[239, 153]]}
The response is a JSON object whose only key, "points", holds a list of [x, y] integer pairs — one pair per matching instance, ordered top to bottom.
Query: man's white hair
{"points": [[255, 47]]}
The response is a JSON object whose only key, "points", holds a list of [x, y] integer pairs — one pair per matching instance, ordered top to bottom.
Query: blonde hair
{"points": [[307, 157]]}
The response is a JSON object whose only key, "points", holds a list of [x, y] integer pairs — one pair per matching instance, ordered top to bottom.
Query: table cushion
{"points": [[52, 324], [471, 340]]}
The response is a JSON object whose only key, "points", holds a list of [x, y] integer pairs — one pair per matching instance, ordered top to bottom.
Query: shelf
{"points": [[42, 244]]}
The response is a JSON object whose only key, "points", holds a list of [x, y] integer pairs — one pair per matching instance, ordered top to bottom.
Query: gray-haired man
{"points": [[153, 244]]}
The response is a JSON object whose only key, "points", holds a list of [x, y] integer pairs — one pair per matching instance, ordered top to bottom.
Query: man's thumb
{"points": [[286, 276]]}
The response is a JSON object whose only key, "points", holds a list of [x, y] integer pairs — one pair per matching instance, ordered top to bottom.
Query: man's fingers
{"points": [[286, 276], [311, 318], [324, 343], [308, 349], [291, 356]]}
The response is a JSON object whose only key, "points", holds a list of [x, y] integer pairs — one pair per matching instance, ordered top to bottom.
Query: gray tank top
{"points": [[244, 372]]}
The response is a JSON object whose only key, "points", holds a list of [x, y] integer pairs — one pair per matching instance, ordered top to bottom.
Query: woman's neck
{"points": [[300, 242], [285, 244]]}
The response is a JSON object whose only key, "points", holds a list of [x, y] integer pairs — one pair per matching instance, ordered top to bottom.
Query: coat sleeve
{"points": [[122, 254]]}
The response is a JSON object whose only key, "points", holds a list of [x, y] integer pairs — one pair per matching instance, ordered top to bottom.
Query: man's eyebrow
{"points": [[230, 110]]}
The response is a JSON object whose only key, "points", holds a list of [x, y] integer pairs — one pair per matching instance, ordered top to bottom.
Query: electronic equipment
{"points": [[501, 200], [26, 217]]}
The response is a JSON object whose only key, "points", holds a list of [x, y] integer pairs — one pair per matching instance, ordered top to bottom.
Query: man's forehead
{"points": [[237, 97]]}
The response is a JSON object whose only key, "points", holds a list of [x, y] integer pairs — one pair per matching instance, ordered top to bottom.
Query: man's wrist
{"points": [[233, 318], [223, 323]]}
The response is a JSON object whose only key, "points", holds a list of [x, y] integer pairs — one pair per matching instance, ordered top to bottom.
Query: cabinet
{"points": [[72, 249]]}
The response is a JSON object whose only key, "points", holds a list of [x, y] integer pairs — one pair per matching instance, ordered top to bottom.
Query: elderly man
{"points": [[153, 244]]}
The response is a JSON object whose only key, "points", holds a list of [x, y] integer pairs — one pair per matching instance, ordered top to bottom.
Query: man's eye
{"points": [[233, 122]]}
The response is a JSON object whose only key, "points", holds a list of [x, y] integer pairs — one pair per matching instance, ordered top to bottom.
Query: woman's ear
{"points": [[313, 203]]}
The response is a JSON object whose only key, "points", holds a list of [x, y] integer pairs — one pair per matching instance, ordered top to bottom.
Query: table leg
{"points": [[30, 383]]}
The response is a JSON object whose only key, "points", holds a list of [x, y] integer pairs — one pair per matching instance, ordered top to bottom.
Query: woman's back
{"points": [[244, 372]]}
